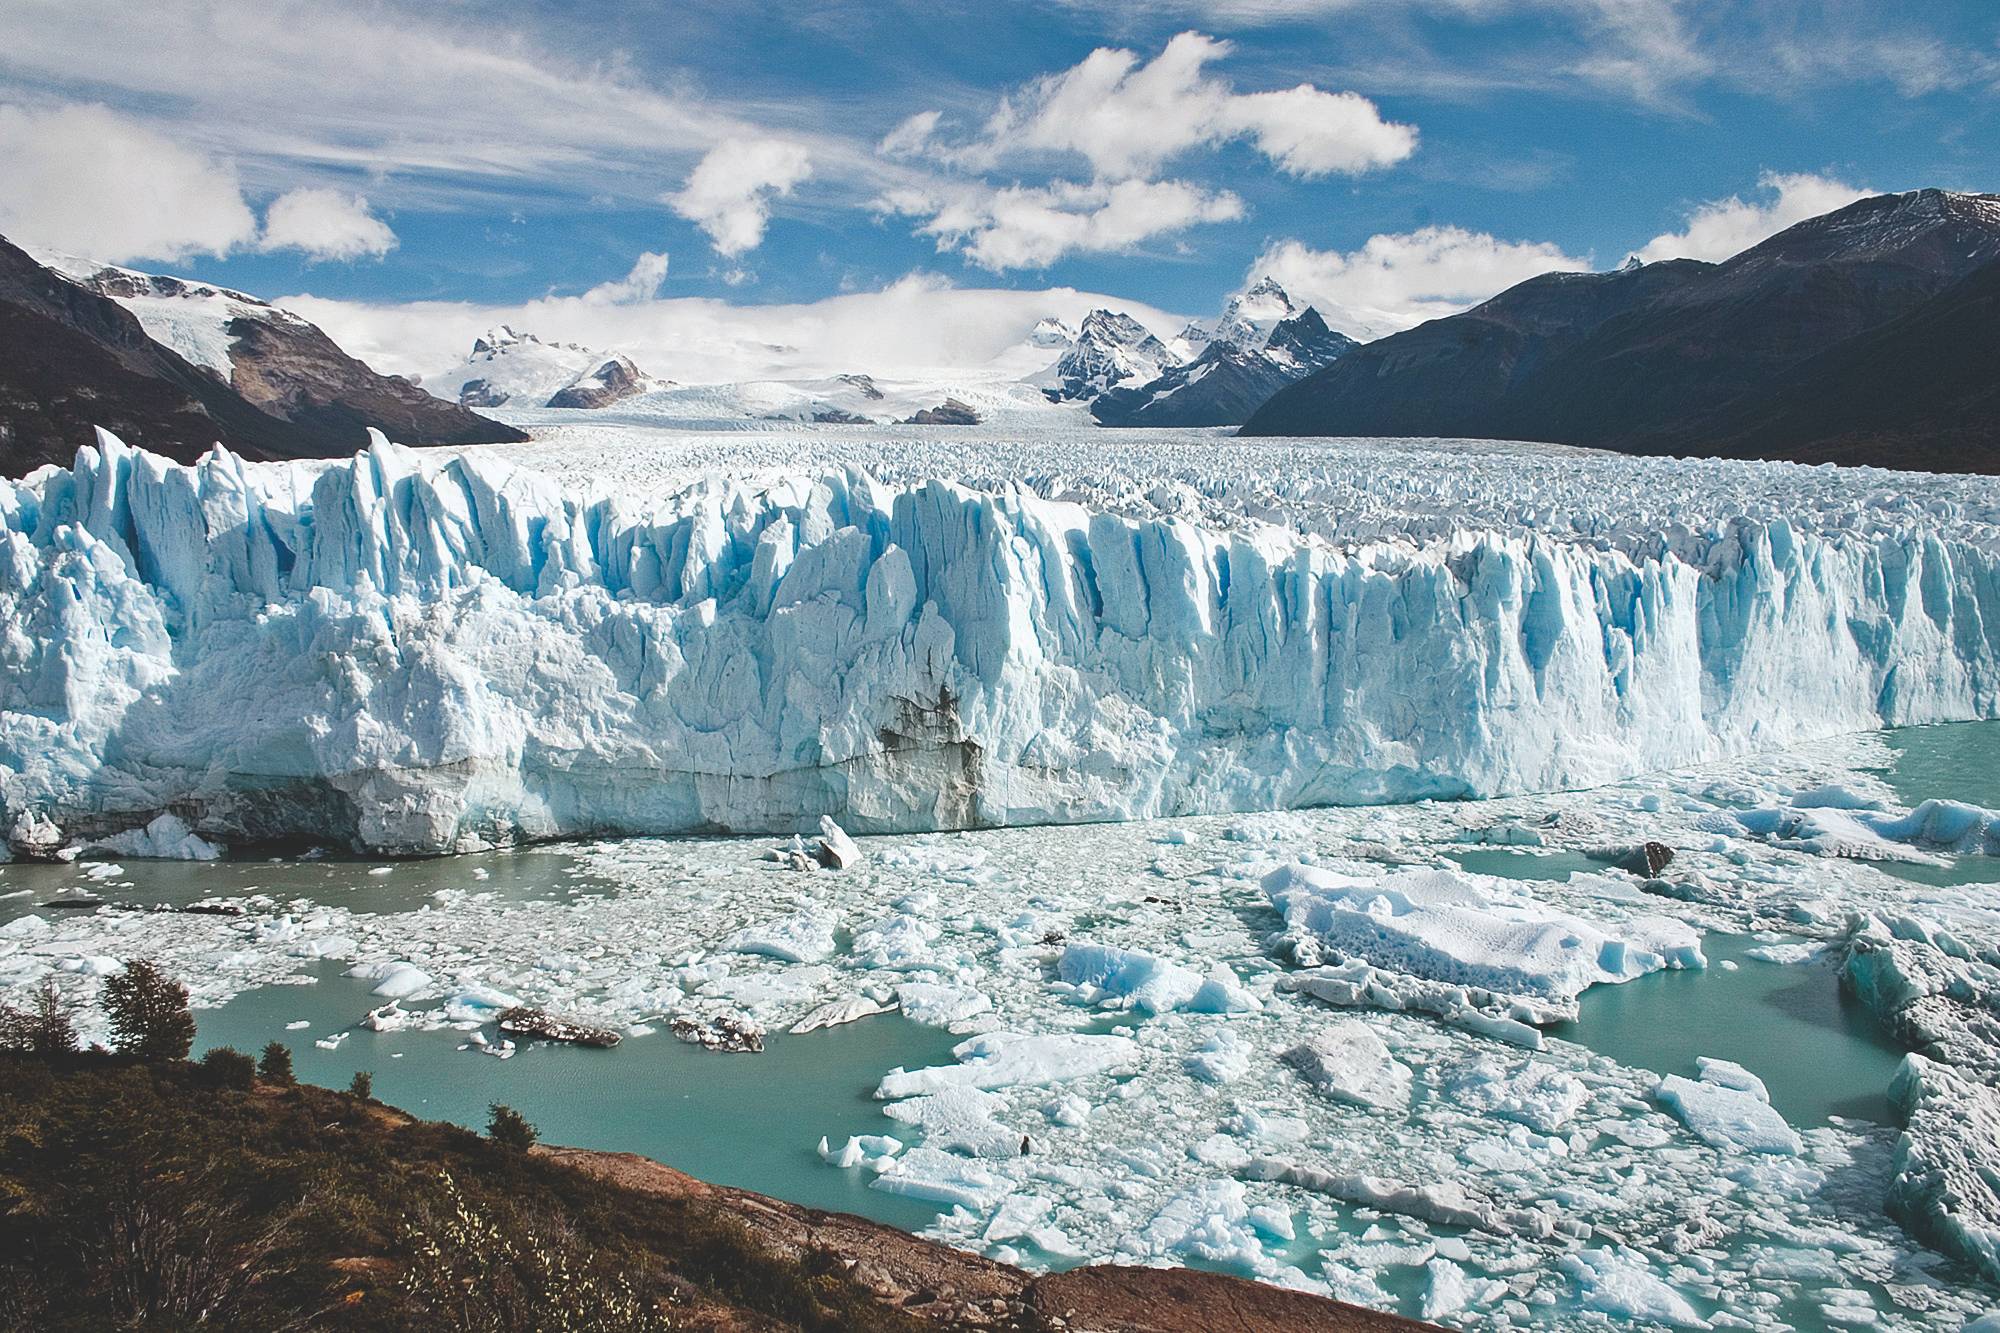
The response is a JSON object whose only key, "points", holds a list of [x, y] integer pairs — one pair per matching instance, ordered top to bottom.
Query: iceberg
{"points": [[414, 654]]}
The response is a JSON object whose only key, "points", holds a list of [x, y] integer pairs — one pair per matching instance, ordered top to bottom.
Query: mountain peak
{"points": [[1250, 315]]}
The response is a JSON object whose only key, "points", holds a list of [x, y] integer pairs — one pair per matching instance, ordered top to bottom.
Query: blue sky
{"points": [[1394, 157]]}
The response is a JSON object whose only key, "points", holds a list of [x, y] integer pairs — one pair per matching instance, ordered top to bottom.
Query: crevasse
{"points": [[411, 655]]}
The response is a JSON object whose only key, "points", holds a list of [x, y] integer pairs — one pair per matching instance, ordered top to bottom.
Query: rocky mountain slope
{"points": [[1262, 342], [1669, 357], [180, 367], [508, 368], [1230, 378]]}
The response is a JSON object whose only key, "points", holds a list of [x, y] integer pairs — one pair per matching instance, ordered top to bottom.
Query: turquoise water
{"points": [[1957, 761], [1516, 863], [533, 874], [1820, 1053], [752, 1121]]}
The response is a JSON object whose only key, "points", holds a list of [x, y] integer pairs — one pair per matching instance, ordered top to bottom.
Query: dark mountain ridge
{"points": [[72, 358], [1661, 358]]}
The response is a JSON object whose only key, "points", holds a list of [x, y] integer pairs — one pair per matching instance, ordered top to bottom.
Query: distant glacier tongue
{"points": [[413, 655]]}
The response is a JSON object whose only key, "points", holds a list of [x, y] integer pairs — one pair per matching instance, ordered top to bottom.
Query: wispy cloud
{"points": [[1720, 228], [1395, 281]]}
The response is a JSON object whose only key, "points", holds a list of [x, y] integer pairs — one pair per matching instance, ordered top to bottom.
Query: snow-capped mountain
{"points": [[1250, 316], [1263, 342], [1110, 348], [179, 366], [508, 368], [1229, 380], [611, 382]]}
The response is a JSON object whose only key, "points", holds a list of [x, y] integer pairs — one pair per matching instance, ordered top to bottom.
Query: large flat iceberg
{"points": [[415, 654]]}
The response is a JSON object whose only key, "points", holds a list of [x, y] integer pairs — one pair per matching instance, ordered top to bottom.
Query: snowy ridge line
{"points": [[416, 658]]}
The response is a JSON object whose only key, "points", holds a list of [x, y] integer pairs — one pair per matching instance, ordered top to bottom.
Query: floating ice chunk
{"points": [[166, 838], [1469, 930], [804, 937], [897, 943], [1138, 979], [395, 980], [478, 1004], [937, 1005], [834, 1013], [1223, 1058], [1013, 1059], [1348, 1062], [1729, 1074], [1539, 1096], [1068, 1110], [1724, 1115], [959, 1120], [874, 1151], [943, 1177], [1947, 1183], [1446, 1202], [1209, 1221], [1618, 1283], [1448, 1290]]}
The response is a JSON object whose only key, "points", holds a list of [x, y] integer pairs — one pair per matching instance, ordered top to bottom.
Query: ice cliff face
{"points": [[413, 656]]}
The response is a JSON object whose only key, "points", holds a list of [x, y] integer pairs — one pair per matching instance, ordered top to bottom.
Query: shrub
{"points": [[149, 1013], [44, 1028], [276, 1064], [227, 1067], [363, 1085], [509, 1128], [471, 1268]]}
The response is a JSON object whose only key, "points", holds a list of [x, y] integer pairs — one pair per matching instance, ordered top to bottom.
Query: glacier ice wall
{"points": [[412, 655]]}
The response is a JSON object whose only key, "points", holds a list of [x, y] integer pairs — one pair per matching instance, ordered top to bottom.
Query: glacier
{"points": [[422, 653]]}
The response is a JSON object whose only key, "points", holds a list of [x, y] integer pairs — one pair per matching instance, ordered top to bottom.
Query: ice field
{"points": [[1182, 999]]}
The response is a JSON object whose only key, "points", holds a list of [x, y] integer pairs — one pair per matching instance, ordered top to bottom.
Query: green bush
{"points": [[149, 1013], [276, 1063], [227, 1067], [363, 1085], [510, 1129]]}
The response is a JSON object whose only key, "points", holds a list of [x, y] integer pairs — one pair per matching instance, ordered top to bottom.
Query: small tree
{"points": [[149, 1013], [45, 1027], [276, 1064], [227, 1067], [363, 1085], [509, 1128]]}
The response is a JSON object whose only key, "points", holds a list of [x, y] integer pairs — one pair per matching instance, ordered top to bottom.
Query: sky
{"points": [[739, 185]]}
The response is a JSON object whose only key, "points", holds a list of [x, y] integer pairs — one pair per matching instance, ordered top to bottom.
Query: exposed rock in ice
{"points": [[426, 653], [836, 850], [1013, 1059], [1348, 1062], [1724, 1111], [1618, 1283]]}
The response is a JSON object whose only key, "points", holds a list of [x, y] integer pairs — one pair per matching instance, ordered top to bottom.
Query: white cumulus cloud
{"points": [[1128, 118], [86, 179], [729, 193], [326, 224], [1019, 226], [1724, 227], [1396, 281], [641, 284]]}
